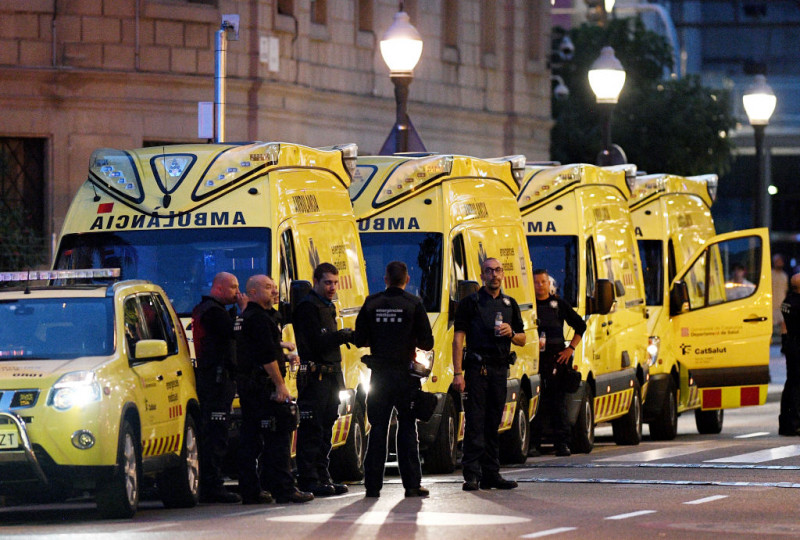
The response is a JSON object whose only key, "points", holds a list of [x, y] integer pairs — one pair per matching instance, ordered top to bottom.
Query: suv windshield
{"points": [[421, 251], [559, 256], [182, 261], [60, 328]]}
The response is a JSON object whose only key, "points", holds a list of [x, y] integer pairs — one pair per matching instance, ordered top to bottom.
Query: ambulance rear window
{"points": [[182, 261]]}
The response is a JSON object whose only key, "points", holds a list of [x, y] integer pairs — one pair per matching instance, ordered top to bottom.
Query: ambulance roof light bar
{"points": [[411, 175], [546, 180], [39, 275]]}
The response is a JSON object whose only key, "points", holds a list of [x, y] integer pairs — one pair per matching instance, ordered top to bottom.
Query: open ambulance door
{"points": [[721, 314]]}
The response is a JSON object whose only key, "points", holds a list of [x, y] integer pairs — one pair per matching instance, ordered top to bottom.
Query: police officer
{"points": [[552, 311], [490, 321], [393, 323], [213, 334], [318, 344], [789, 419], [266, 426]]}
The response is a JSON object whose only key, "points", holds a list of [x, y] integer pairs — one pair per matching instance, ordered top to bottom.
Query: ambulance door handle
{"points": [[756, 319], [179, 373], [159, 377]]}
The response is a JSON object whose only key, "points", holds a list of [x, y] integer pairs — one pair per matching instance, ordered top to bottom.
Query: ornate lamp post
{"points": [[401, 48], [607, 77], [759, 103]]}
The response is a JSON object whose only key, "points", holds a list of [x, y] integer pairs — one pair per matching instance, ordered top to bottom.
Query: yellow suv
{"points": [[97, 392]]}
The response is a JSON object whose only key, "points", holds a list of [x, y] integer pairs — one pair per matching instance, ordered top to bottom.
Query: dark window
{"points": [[286, 7], [319, 11], [365, 15], [450, 23], [533, 25], [488, 26], [22, 195], [422, 252], [651, 254], [559, 256], [182, 261], [288, 267], [591, 267], [169, 327], [135, 329]]}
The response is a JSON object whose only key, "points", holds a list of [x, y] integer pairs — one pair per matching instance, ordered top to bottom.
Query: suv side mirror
{"points": [[298, 290], [603, 296], [678, 298], [150, 349]]}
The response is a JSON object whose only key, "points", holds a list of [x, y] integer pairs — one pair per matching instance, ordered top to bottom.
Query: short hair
{"points": [[487, 259], [324, 268], [540, 271], [396, 273]]}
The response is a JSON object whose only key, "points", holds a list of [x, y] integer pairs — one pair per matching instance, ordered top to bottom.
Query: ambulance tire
{"points": [[708, 422], [664, 427], [628, 429], [583, 430], [515, 442], [442, 455], [347, 461], [179, 487], [118, 498]]}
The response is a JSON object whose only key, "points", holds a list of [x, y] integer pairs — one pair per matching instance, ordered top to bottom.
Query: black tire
{"points": [[709, 422], [664, 427], [628, 429], [583, 430], [515, 442], [442, 455], [347, 461], [178, 487], [118, 498]]}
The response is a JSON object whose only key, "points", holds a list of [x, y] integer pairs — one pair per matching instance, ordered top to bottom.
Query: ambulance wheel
{"points": [[708, 422], [664, 427], [628, 429], [583, 430], [515, 442], [442, 455], [347, 461], [178, 487], [118, 498]]}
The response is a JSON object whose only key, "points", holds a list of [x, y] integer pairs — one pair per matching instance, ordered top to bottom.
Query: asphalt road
{"points": [[742, 483]]}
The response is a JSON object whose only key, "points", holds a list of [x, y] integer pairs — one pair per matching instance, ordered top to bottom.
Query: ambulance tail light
{"points": [[349, 156], [517, 166], [116, 170], [630, 173], [411, 175], [711, 181], [653, 346]]}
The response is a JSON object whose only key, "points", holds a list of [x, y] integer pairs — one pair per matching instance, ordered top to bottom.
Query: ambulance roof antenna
{"points": [[96, 196]]}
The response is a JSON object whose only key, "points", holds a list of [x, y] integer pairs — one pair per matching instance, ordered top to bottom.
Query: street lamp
{"points": [[401, 48], [607, 77], [759, 103]]}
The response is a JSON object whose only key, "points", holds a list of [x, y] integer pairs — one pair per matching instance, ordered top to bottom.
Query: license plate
{"points": [[9, 438]]}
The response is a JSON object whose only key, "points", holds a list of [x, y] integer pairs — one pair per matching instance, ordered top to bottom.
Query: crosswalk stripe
{"points": [[751, 435], [663, 453], [760, 456], [707, 499], [632, 514], [549, 532]]}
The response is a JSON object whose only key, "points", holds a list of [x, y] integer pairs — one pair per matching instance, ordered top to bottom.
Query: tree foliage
{"points": [[664, 125]]}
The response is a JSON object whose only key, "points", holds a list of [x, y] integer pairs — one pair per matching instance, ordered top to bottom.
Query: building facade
{"points": [[76, 75]]}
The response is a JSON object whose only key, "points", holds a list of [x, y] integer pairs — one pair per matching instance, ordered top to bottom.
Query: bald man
{"points": [[212, 329], [789, 419]]}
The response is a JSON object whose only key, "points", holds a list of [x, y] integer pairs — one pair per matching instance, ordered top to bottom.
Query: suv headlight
{"points": [[654, 342], [75, 389]]}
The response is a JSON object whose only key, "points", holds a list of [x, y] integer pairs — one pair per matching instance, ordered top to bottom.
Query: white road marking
{"points": [[751, 435], [663, 453], [769, 454], [707, 499], [632, 514], [431, 519], [549, 532]]}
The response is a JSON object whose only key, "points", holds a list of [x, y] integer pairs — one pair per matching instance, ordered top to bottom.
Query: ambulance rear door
{"points": [[721, 312]]}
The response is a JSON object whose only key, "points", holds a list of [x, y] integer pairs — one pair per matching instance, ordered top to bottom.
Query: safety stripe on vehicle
{"points": [[694, 397], [731, 397], [612, 405], [533, 407], [176, 411], [508, 416], [462, 424], [340, 430], [294, 443], [161, 445]]}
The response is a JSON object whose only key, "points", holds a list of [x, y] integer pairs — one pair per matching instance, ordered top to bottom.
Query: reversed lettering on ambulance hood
{"points": [[189, 219]]}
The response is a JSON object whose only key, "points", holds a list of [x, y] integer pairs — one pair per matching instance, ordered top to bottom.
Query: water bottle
{"points": [[498, 320]]}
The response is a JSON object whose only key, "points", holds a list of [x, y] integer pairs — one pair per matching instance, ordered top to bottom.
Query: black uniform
{"points": [[552, 312], [393, 323], [213, 334], [318, 344], [485, 366], [789, 419], [265, 430]]}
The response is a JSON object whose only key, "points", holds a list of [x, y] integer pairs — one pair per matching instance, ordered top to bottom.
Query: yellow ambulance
{"points": [[178, 215], [443, 215], [579, 229], [708, 301]]}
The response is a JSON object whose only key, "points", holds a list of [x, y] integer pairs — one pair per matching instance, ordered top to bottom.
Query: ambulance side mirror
{"points": [[466, 287], [298, 290], [603, 296], [678, 298]]}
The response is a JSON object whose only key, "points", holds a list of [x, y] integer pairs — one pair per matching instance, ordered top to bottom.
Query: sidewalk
{"points": [[777, 373]]}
